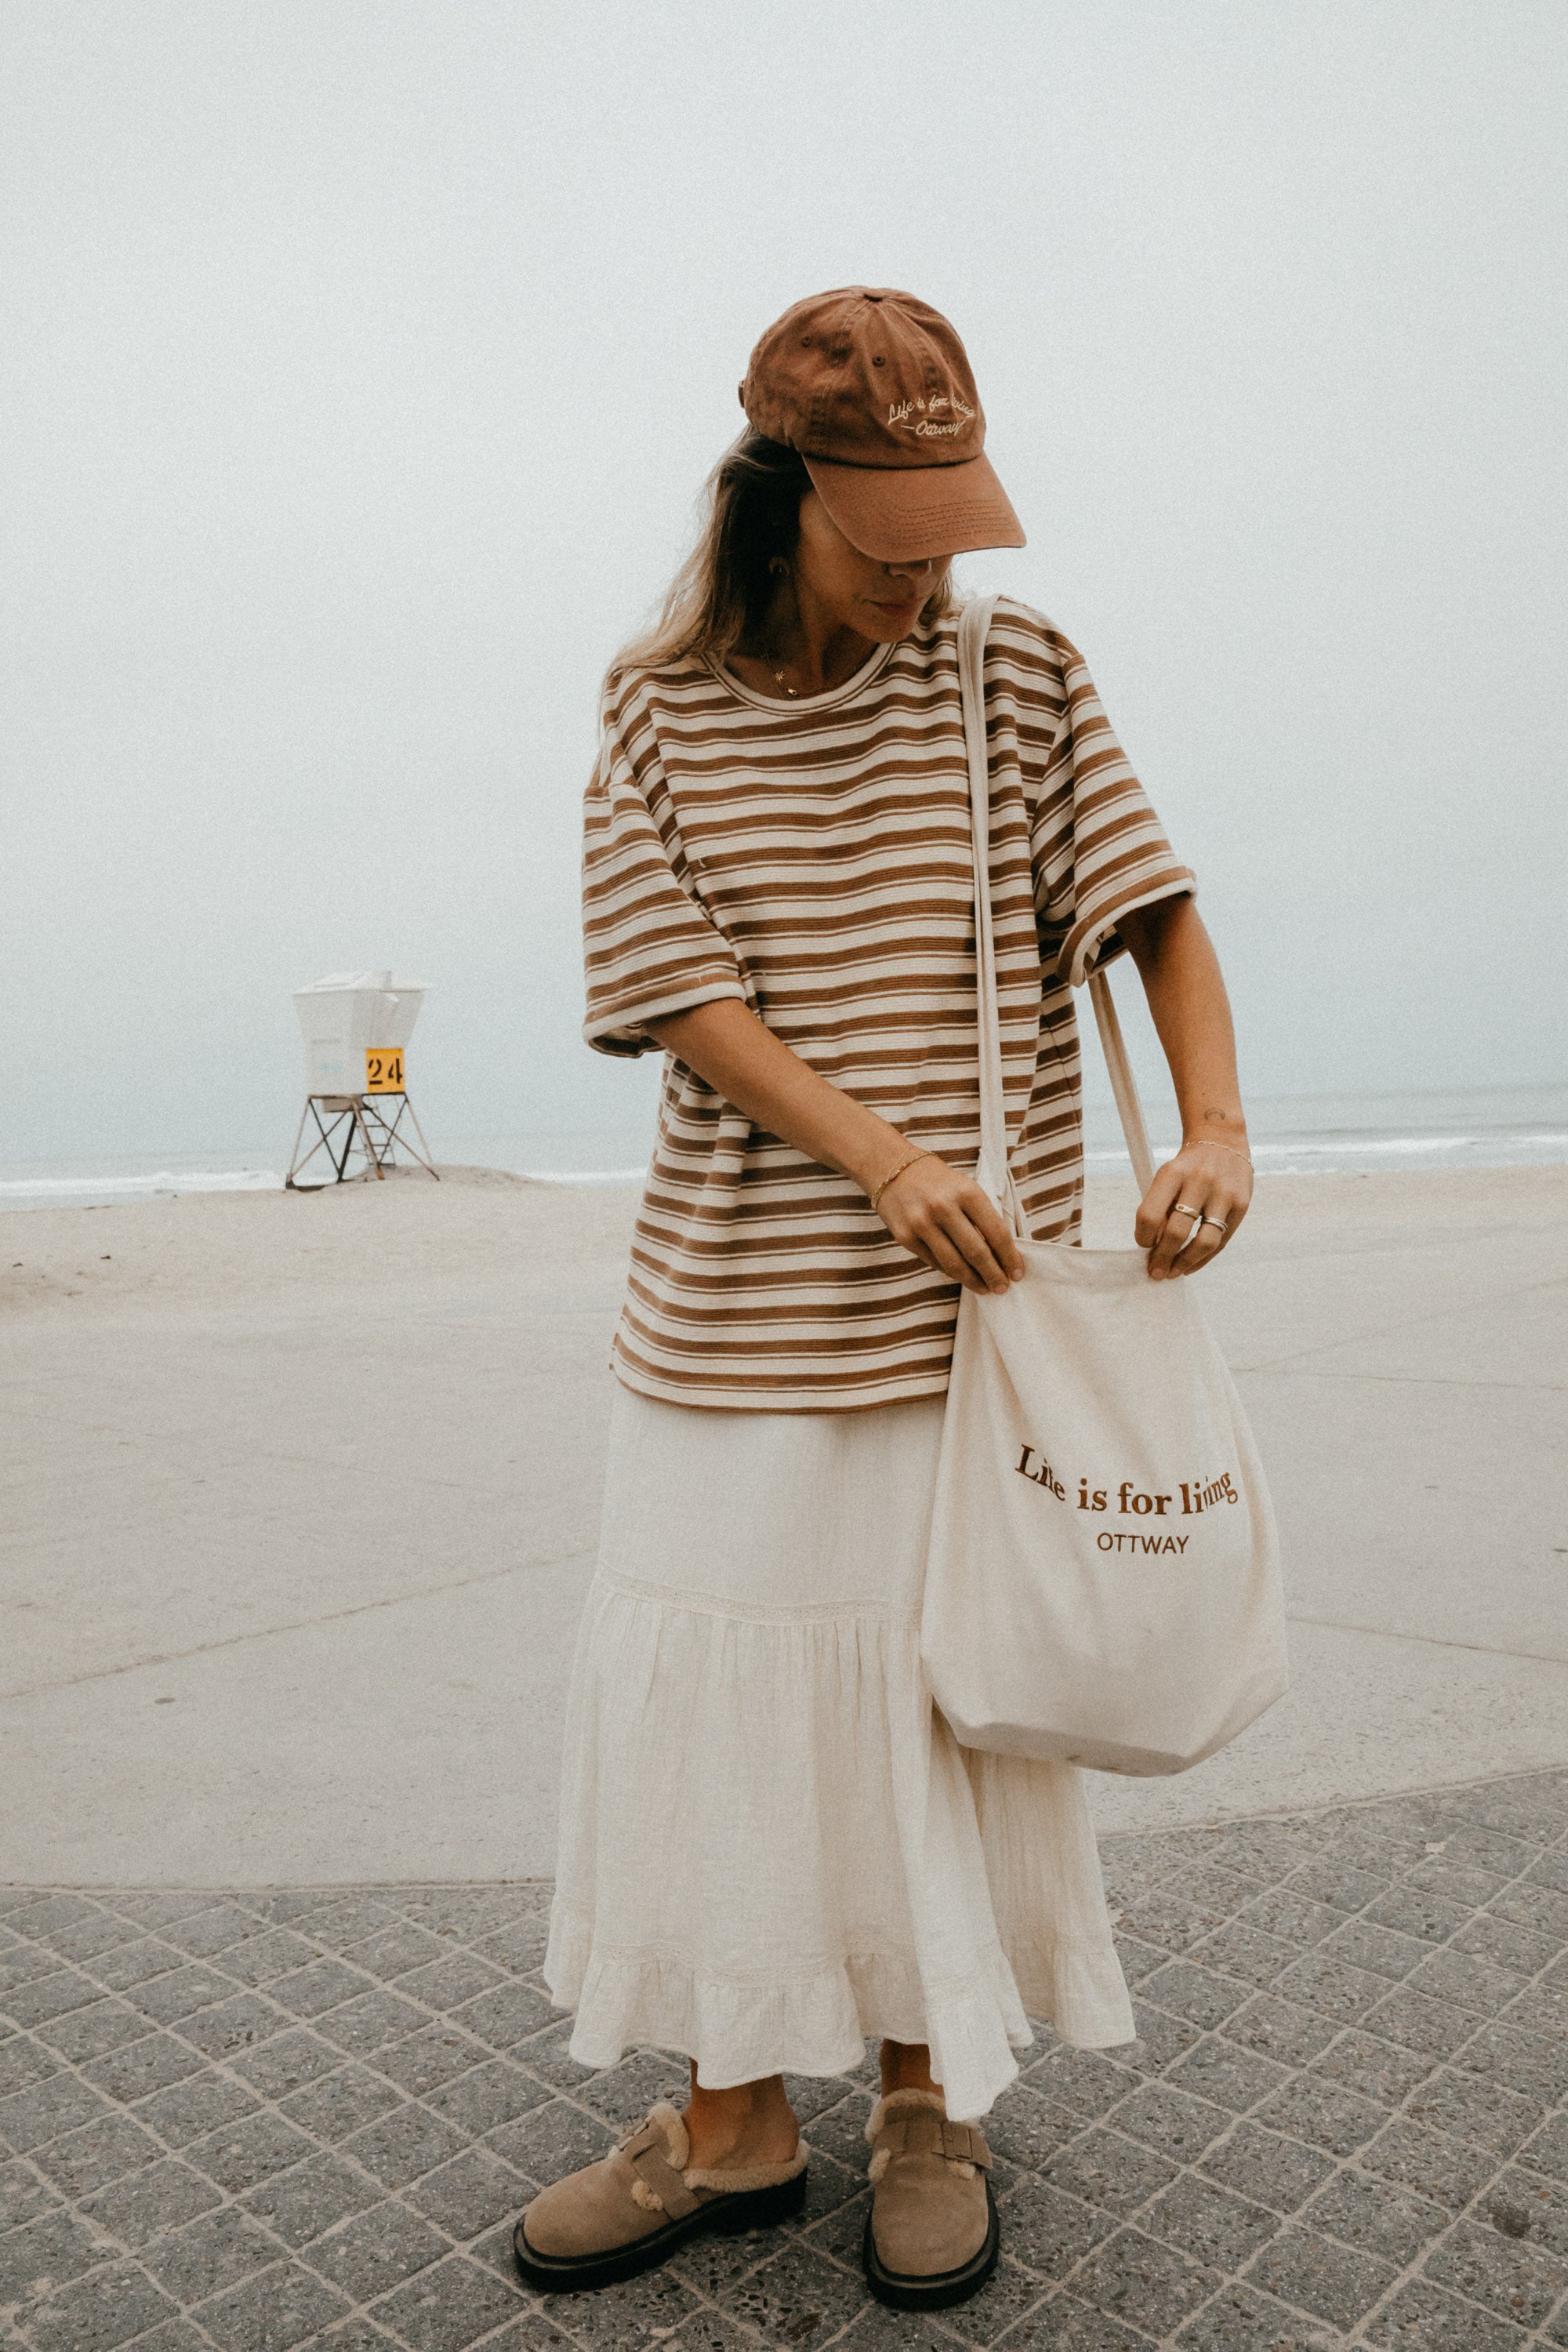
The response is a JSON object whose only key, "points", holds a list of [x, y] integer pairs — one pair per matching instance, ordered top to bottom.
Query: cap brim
{"points": [[899, 513]]}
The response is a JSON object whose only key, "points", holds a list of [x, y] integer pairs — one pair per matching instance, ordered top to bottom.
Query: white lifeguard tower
{"points": [[356, 1027]]}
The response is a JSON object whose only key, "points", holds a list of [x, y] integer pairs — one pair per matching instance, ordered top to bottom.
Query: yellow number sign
{"points": [[384, 1070]]}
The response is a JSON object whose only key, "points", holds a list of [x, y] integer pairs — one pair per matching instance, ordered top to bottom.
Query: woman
{"points": [[771, 1844]]}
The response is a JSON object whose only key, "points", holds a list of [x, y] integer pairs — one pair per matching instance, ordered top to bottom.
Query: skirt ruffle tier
{"points": [[772, 1847]]}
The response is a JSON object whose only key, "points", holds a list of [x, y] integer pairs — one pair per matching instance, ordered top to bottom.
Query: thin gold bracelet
{"points": [[1191, 1141], [894, 1174]]}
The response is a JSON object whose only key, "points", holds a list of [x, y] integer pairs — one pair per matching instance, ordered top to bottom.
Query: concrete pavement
{"points": [[302, 1497]]}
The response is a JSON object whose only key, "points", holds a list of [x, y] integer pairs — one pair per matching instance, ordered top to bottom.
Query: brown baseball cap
{"points": [[875, 390]]}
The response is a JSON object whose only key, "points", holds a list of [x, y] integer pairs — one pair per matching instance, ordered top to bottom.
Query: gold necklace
{"points": [[792, 691]]}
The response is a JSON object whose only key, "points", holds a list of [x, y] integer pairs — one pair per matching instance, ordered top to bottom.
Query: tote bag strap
{"points": [[993, 1171]]}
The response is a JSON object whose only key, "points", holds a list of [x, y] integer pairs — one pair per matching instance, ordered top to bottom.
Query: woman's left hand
{"points": [[1190, 1210]]}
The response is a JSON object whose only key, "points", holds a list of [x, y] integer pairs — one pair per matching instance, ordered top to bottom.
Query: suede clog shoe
{"points": [[627, 2212], [931, 2235]]}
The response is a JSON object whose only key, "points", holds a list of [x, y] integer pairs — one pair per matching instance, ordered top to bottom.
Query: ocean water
{"points": [[1300, 1134]]}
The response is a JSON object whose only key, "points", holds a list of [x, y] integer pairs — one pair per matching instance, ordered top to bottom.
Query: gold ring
{"points": [[1182, 1210]]}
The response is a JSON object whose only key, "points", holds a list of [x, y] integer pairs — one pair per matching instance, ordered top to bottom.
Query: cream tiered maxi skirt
{"points": [[771, 1844]]}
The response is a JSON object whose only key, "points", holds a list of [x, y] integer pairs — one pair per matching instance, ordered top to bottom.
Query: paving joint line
{"points": [[298, 1625], [1426, 1641]]}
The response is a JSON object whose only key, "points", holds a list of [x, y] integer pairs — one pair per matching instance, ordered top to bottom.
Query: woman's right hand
{"points": [[943, 1218], [952, 1224]]}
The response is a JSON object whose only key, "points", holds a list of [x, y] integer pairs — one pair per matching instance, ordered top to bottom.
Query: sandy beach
{"points": [[302, 1498]]}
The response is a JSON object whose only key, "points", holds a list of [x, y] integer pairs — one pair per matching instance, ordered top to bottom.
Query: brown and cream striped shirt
{"points": [[811, 859]]}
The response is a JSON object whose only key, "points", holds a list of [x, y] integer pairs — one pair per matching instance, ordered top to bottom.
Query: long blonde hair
{"points": [[720, 595]]}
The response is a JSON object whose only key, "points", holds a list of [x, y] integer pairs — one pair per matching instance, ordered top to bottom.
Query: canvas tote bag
{"points": [[1102, 1586]]}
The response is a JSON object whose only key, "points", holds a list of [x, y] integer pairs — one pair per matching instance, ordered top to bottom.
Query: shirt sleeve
{"points": [[1096, 846], [649, 947]]}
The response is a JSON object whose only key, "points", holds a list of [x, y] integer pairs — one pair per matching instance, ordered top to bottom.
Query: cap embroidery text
{"points": [[901, 411]]}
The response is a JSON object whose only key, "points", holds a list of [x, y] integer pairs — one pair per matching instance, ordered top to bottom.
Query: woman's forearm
{"points": [[1182, 979], [739, 1058], [1201, 1195], [940, 1214]]}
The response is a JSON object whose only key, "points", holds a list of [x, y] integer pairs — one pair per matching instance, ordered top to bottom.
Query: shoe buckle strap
{"points": [[922, 2132], [910, 2135], [964, 2144], [660, 2179]]}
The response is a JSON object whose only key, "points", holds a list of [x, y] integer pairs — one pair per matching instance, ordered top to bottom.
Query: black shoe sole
{"points": [[751, 2209], [909, 2291]]}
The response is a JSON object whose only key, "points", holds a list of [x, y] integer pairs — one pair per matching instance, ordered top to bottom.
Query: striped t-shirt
{"points": [[811, 859]]}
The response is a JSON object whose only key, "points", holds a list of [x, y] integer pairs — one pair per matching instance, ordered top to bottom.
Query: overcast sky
{"points": [[362, 360]]}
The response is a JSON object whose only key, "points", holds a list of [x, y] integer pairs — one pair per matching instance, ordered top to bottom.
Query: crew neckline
{"points": [[781, 702]]}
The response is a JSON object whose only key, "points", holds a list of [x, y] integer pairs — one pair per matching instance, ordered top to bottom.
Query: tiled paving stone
{"points": [[1138, 1960], [321, 1984], [177, 1991], [510, 2012], [366, 2024], [222, 2029], [92, 2032], [24, 2061], [284, 2062], [422, 2062], [153, 2064], [1376, 2070], [1234, 2079], [1085, 2080], [628, 2090], [201, 2103], [340, 2103], [1323, 2114], [237, 2121], [1025, 2128], [403, 2146], [238, 2157], [77, 2162], [1277, 2171], [829, 2185], [472, 2193], [22, 2196], [312, 2197], [151, 2201], [1523, 2205], [1376, 2216], [1215, 2226], [843, 2232], [376, 2250], [43, 2253], [211, 2254], [1316, 2273], [1516, 2280], [1145, 2281], [114, 2304], [449, 2306], [276, 2313], [1421, 2317], [1239, 2319], [1062, 2325]]}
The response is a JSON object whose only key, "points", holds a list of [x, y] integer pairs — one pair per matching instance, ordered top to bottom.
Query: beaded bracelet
{"points": [[893, 1173]]}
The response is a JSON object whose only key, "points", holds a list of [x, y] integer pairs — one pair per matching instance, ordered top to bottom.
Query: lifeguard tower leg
{"points": [[294, 1162], [426, 1162]]}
